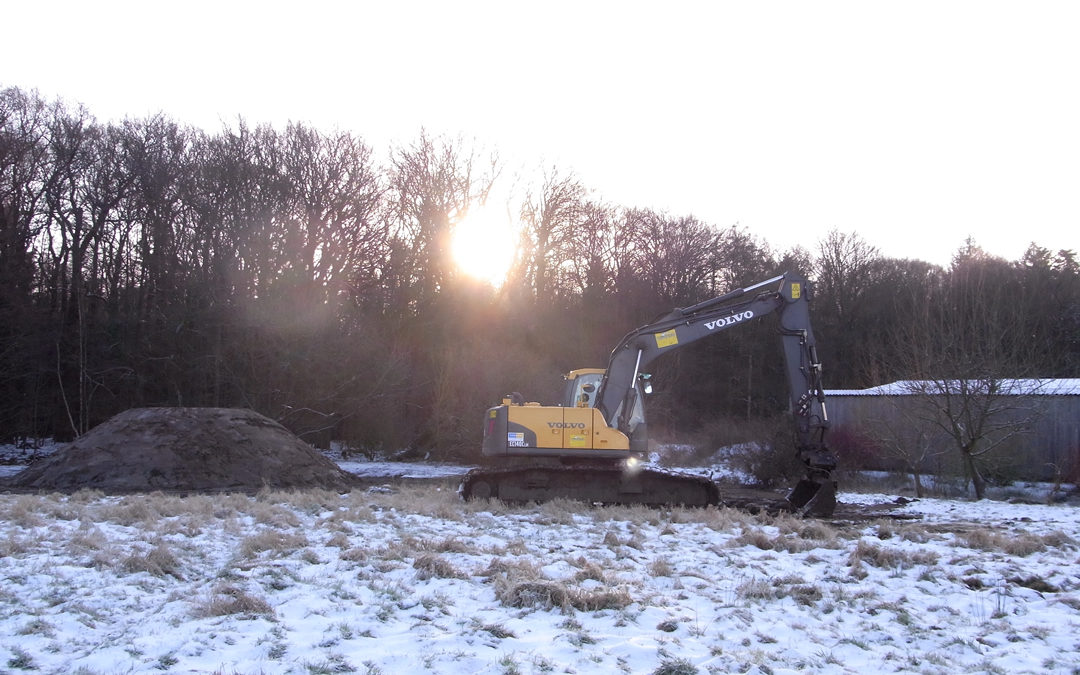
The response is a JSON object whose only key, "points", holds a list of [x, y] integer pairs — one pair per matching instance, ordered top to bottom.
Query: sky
{"points": [[915, 125]]}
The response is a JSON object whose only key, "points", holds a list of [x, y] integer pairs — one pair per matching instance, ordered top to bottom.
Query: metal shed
{"points": [[885, 418]]}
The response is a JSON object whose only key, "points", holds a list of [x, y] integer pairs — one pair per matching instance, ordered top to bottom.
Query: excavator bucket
{"points": [[813, 498]]}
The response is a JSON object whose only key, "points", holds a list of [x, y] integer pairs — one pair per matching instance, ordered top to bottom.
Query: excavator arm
{"points": [[786, 295]]}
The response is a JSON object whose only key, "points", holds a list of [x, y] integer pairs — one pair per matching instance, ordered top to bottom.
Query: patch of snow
{"points": [[402, 469]]}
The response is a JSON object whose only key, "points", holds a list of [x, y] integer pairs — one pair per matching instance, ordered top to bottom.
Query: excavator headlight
{"points": [[633, 465]]}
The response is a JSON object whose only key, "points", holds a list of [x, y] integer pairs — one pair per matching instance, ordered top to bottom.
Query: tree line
{"points": [[304, 275]]}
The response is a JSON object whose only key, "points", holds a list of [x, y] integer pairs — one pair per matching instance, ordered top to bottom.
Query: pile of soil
{"points": [[196, 449]]}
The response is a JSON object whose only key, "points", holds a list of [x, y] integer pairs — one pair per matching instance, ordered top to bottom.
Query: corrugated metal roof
{"points": [[1036, 387]]}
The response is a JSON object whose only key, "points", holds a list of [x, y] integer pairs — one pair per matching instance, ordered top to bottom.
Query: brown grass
{"points": [[24, 511], [274, 541], [790, 543], [1021, 545], [888, 558], [158, 561], [429, 565], [588, 570], [519, 583], [536, 593], [230, 600]]}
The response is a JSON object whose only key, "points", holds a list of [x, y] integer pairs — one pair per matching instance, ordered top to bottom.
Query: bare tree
{"points": [[25, 171], [433, 183], [83, 199], [549, 220], [589, 254], [676, 257], [844, 268], [843, 272], [966, 349], [978, 416], [906, 430]]}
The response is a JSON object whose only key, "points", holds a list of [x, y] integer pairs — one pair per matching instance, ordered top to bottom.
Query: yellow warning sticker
{"points": [[796, 290], [666, 339]]}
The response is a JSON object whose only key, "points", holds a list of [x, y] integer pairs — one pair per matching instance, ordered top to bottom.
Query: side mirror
{"points": [[646, 379]]}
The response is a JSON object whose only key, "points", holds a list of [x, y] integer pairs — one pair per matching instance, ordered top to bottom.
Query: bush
{"points": [[763, 449], [855, 450], [770, 458]]}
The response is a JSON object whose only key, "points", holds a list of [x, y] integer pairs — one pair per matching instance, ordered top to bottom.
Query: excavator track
{"points": [[593, 482]]}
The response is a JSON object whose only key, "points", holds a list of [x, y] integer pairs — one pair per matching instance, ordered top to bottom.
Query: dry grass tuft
{"points": [[311, 501], [436, 501], [128, 511], [25, 512], [559, 512], [351, 513], [636, 514], [274, 515], [727, 519], [87, 538], [1059, 539], [339, 540], [274, 541], [790, 543], [1012, 544], [13, 545], [446, 545], [354, 554], [872, 554], [888, 558], [158, 561], [429, 565], [516, 567], [660, 567], [588, 570], [1034, 583], [520, 584], [756, 589], [538, 593], [544, 594], [596, 599], [228, 600]]}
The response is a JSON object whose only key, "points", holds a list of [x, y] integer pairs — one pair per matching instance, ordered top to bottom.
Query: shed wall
{"points": [[1051, 446]]}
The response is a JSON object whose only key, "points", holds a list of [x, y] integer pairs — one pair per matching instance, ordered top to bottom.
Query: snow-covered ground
{"points": [[412, 580]]}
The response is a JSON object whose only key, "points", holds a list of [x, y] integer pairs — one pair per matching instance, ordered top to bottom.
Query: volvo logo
{"points": [[729, 320], [566, 425]]}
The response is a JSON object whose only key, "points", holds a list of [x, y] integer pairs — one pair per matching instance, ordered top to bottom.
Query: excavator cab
{"points": [[581, 387]]}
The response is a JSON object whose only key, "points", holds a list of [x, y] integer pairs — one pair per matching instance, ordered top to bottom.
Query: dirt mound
{"points": [[195, 449]]}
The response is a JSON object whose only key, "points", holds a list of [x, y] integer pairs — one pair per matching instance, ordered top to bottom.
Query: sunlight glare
{"points": [[483, 245]]}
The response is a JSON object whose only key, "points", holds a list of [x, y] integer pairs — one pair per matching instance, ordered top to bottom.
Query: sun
{"points": [[483, 245]]}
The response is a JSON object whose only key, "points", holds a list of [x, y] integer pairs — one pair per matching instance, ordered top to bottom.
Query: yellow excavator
{"points": [[591, 447]]}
